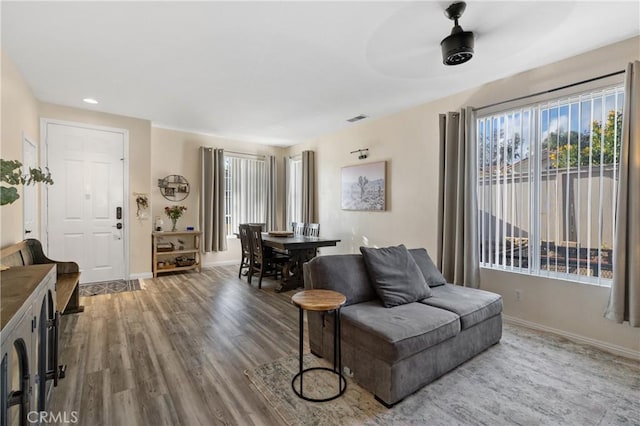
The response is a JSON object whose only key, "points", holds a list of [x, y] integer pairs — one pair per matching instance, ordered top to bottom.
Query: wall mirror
{"points": [[174, 187]]}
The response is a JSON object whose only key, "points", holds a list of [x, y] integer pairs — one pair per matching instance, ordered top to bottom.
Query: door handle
{"points": [[117, 226]]}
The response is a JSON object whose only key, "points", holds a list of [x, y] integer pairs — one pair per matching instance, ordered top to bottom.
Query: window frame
{"points": [[535, 104], [229, 187], [290, 187]]}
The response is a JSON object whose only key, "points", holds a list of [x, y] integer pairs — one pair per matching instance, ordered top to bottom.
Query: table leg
{"points": [[292, 274], [301, 347]]}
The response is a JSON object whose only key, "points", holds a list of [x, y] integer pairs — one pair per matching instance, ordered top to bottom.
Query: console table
{"points": [[165, 260]]}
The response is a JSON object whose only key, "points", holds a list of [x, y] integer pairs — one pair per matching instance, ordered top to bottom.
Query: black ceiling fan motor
{"points": [[457, 48]]}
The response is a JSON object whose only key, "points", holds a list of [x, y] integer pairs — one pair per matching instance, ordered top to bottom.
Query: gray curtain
{"points": [[271, 170], [308, 186], [212, 219], [458, 248], [624, 300]]}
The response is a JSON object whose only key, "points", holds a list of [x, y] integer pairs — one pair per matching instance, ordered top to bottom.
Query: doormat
{"points": [[108, 287]]}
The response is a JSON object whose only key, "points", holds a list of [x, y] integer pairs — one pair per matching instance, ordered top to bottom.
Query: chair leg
{"points": [[242, 262], [261, 275]]}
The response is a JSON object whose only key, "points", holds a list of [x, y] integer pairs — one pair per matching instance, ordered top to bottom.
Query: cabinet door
{"points": [[40, 354], [16, 372]]}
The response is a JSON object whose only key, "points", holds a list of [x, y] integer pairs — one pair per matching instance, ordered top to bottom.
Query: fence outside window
{"points": [[547, 186]]}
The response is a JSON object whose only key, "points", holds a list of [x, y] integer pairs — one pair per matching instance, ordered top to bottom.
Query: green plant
{"points": [[11, 173], [174, 212]]}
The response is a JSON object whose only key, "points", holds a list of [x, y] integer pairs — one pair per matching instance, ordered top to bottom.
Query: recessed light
{"points": [[90, 101]]}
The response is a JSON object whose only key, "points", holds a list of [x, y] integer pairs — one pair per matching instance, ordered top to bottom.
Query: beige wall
{"points": [[19, 118], [408, 141], [177, 153]]}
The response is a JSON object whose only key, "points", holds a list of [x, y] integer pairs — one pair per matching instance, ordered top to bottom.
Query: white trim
{"points": [[31, 142], [44, 160], [221, 263], [141, 275], [608, 347]]}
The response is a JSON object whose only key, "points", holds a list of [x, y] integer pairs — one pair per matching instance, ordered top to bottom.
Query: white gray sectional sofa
{"points": [[393, 351]]}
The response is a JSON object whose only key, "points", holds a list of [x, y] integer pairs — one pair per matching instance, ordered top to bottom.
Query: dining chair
{"points": [[263, 226], [297, 228], [312, 230], [245, 243], [264, 261]]}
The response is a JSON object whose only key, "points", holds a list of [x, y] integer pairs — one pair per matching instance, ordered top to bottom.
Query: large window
{"points": [[547, 186], [294, 190], [245, 191]]}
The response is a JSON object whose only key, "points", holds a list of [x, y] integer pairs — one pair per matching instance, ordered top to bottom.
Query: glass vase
{"points": [[173, 224]]}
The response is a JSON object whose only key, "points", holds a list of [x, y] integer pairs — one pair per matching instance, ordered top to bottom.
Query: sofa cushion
{"points": [[345, 273], [395, 276], [432, 276], [472, 305], [392, 334]]}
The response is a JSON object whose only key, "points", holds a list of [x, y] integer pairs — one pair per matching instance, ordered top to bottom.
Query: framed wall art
{"points": [[364, 187]]}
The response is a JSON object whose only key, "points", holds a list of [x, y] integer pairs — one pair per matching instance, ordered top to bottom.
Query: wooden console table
{"points": [[191, 250]]}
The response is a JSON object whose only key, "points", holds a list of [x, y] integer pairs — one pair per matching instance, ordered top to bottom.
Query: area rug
{"points": [[108, 287], [529, 378]]}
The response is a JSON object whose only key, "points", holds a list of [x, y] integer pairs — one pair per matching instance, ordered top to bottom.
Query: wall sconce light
{"points": [[364, 153]]}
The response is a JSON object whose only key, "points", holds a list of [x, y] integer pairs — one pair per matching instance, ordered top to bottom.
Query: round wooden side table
{"points": [[323, 301]]}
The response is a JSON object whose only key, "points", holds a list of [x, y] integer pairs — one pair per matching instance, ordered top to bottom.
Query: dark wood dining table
{"points": [[301, 249]]}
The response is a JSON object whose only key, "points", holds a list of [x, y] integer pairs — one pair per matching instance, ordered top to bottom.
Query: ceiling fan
{"points": [[457, 48]]}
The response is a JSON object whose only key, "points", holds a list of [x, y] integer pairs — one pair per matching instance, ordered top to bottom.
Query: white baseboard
{"points": [[221, 263], [142, 275], [608, 347]]}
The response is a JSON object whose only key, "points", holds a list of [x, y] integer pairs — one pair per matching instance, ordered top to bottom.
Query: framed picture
{"points": [[364, 187]]}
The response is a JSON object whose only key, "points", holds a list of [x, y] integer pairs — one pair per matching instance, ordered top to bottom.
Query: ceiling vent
{"points": [[357, 118]]}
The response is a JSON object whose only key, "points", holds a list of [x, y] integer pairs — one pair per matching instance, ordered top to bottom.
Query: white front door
{"points": [[29, 194], [85, 204]]}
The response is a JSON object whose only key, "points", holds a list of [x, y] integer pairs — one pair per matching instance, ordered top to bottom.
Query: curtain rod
{"points": [[552, 90], [208, 148], [243, 153]]}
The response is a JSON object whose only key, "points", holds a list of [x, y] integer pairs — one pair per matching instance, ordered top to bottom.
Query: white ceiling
{"points": [[283, 72]]}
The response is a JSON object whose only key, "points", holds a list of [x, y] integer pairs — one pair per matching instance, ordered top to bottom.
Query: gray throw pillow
{"points": [[395, 275], [432, 276]]}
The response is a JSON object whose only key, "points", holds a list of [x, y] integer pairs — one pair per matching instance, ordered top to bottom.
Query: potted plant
{"points": [[11, 173]]}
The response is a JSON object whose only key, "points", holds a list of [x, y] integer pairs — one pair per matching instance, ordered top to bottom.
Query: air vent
{"points": [[357, 118]]}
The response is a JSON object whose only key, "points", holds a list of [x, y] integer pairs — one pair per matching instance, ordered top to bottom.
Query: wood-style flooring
{"points": [[175, 352]]}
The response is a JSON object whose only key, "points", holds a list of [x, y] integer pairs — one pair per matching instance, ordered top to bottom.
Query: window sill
{"points": [[591, 281]]}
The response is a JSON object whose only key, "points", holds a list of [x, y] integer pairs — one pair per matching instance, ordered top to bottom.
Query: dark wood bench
{"points": [[29, 252]]}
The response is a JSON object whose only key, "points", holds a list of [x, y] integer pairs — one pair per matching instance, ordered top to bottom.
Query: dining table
{"points": [[301, 249]]}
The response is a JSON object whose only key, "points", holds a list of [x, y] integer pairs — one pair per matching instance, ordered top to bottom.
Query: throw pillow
{"points": [[431, 274], [395, 275]]}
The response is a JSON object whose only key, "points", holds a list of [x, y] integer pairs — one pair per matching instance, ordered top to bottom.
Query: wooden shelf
{"points": [[194, 250], [175, 252]]}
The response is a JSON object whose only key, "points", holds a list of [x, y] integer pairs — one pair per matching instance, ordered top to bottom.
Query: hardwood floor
{"points": [[175, 352]]}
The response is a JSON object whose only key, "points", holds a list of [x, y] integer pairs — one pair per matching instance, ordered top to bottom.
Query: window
{"points": [[547, 186], [294, 190], [245, 191]]}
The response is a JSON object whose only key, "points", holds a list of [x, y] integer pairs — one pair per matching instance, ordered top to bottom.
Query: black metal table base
{"points": [[337, 360], [342, 385]]}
